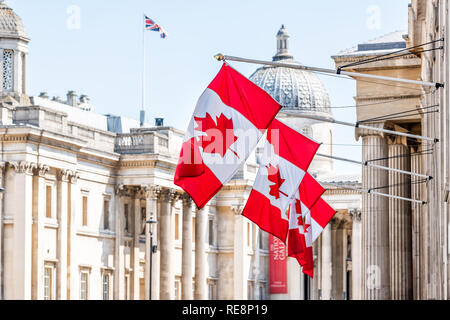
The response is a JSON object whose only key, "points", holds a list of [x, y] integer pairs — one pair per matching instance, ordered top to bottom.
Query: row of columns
{"points": [[159, 206], [386, 270]]}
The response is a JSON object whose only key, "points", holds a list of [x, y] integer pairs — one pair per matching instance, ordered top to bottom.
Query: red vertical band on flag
{"points": [[291, 145], [310, 191], [322, 213], [268, 217]]}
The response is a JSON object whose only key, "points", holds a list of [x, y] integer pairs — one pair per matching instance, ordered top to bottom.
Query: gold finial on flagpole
{"points": [[219, 57]]}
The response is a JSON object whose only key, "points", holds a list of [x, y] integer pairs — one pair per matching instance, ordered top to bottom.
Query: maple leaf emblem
{"points": [[219, 136], [275, 177]]}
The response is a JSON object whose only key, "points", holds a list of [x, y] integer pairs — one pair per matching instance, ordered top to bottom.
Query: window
{"points": [[8, 70], [24, 72], [48, 196], [85, 211], [126, 213], [106, 214], [143, 220], [177, 226], [211, 232], [48, 283], [84, 285], [106, 286], [127, 287], [177, 288], [212, 290], [250, 290], [261, 292]]}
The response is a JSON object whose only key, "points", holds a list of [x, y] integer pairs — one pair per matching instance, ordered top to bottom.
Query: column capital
{"points": [[360, 132], [24, 167], [41, 170], [64, 175], [74, 177], [122, 190], [146, 191], [168, 195], [187, 200], [237, 209], [355, 214]]}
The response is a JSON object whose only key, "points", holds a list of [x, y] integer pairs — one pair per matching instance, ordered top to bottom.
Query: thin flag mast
{"points": [[221, 57], [144, 66]]}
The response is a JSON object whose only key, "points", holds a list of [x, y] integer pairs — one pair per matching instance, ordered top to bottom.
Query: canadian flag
{"points": [[230, 118], [286, 158], [309, 214]]}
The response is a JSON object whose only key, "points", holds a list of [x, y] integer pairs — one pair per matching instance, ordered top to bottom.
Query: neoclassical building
{"points": [[79, 188], [405, 248]]}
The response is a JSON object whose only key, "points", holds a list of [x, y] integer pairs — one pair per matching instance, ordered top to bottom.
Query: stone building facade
{"points": [[79, 188], [405, 245]]}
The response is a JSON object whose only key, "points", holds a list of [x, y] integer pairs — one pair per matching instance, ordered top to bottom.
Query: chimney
{"points": [[43, 95], [84, 98], [57, 99], [72, 99], [159, 122]]}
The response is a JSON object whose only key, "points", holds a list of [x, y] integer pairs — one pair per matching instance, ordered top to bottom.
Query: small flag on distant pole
{"points": [[153, 26]]}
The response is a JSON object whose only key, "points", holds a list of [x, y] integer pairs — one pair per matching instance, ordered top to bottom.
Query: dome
{"points": [[11, 26], [296, 90]]}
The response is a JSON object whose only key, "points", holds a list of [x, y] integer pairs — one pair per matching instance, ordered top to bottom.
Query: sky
{"points": [[95, 48]]}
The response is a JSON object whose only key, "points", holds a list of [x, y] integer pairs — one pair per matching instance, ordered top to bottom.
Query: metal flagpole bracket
{"points": [[219, 57], [330, 71]]}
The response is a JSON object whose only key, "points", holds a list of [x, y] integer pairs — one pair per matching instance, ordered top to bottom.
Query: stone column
{"points": [[20, 206], [39, 210], [62, 211], [150, 214], [375, 220], [201, 223], [417, 225], [400, 228], [2, 231], [135, 250], [356, 254], [186, 259], [338, 259], [72, 267], [327, 270], [119, 279], [167, 281]]}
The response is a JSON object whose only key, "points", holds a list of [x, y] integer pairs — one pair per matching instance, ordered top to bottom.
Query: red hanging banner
{"points": [[277, 266]]}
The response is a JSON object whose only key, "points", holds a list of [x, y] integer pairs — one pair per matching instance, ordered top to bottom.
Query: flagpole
{"points": [[221, 57], [142, 113], [367, 164], [372, 192]]}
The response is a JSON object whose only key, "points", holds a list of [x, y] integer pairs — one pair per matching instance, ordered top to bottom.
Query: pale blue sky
{"points": [[102, 57]]}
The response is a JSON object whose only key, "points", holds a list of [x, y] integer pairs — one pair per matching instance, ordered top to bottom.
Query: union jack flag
{"points": [[153, 26]]}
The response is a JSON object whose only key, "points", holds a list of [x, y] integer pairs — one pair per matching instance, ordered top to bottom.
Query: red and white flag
{"points": [[230, 118], [286, 159], [308, 194], [309, 214]]}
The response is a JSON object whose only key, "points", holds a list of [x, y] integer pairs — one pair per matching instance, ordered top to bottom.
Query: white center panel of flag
{"points": [[210, 105], [290, 173]]}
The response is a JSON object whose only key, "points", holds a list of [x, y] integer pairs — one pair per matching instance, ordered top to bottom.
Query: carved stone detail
{"points": [[23, 167], [41, 170], [64, 175], [168, 195], [187, 200], [237, 209], [355, 214]]}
